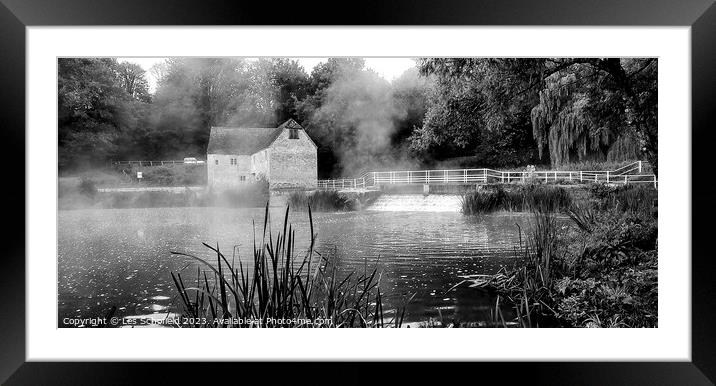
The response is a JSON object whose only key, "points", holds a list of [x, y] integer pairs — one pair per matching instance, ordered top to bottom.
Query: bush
{"points": [[602, 274]]}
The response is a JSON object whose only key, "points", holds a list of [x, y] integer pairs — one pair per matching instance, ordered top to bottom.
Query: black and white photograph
{"points": [[357, 192]]}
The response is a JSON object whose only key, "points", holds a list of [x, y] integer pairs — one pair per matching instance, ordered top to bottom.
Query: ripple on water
{"points": [[124, 254]]}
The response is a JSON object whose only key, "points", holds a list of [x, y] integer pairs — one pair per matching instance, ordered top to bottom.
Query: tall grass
{"points": [[519, 198], [626, 198], [321, 201], [332, 201], [527, 286], [307, 290]]}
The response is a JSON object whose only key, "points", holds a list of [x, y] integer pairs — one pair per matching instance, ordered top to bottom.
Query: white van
{"points": [[190, 160]]}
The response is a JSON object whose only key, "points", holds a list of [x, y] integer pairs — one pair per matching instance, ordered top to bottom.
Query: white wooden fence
{"points": [[629, 174]]}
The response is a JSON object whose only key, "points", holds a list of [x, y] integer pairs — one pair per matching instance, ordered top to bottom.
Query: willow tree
{"points": [[576, 109], [597, 109]]}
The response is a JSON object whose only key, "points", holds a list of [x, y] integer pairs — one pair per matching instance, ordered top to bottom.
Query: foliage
{"points": [[576, 109], [95, 111], [489, 112], [359, 120], [171, 175], [516, 198], [625, 198], [331, 200], [321, 201], [600, 273], [280, 288]]}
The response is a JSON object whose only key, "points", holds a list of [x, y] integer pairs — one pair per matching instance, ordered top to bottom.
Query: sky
{"points": [[388, 68]]}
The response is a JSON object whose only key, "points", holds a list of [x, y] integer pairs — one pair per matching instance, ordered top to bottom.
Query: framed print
{"points": [[457, 182]]}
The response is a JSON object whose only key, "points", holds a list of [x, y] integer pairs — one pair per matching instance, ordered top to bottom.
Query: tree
{"points": [[132, 79], [605, 105], [577, 108], [474, 110], [95, 111], [357, 118]]}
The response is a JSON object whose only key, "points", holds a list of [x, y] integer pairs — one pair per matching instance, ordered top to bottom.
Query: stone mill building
{"points": [[284, 156]]}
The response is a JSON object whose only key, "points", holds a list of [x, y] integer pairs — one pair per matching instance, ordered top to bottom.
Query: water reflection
{"points": [[122, 257]]}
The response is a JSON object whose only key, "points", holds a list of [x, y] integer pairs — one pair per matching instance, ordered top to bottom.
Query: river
{"points": [[122, 257]]}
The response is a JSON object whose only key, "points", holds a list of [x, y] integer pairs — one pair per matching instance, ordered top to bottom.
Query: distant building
{"points": [[284, 156]]}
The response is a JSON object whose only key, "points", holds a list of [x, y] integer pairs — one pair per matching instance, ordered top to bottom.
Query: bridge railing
{"points": [[430, 176], [368, 180]]}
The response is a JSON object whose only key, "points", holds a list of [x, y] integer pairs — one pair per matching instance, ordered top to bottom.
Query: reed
{"points": [[519, 198], [626, 198], [321, 201], [600, 273], [280, 286]]}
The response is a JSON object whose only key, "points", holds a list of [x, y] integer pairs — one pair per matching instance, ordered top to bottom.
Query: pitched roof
{"points": [[290, 124], [241, 140]]}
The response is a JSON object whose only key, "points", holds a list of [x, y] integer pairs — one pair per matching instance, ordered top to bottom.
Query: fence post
{"points": [[639, 167], [580, 176], [607, 176], [502, 177]]}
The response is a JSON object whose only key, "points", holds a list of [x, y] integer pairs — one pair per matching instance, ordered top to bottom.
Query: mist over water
{"points": [[122, 257]]}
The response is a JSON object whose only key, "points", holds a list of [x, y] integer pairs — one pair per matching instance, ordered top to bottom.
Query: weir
{"points": [[417, 203]]}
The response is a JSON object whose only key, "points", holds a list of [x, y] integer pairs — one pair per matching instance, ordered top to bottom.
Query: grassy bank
{"points": [[167, 175], [85, 195], [516, 198], [331, 200], [599, 270], [281, 289]]}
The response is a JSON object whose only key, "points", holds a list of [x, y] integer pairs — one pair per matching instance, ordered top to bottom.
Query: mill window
{"points": [[292, 133], [216, 161], [243, 178]]}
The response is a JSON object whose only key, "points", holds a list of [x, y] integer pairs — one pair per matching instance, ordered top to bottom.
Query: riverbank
{"points": [[86, 195], [600, 270]]}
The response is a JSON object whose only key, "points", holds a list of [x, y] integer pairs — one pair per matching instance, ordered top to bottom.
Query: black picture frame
{"points": [[16, 15]]}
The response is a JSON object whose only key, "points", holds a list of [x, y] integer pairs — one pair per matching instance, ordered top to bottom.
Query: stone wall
{"points": [[293, 163], [260, 164], [225, 175]]}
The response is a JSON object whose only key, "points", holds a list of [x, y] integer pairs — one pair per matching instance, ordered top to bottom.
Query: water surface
{"points": [[122, 257]]}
